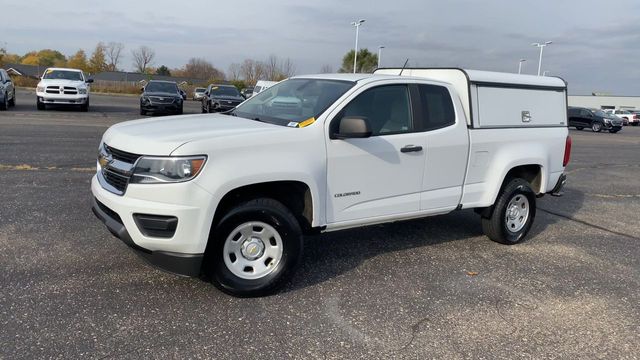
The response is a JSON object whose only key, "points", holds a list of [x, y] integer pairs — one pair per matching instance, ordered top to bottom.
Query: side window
{"points": [[437, 107], [387, 108], [584, 113]]}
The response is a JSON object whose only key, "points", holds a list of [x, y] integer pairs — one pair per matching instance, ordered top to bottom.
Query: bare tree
{"points": [[114, 52], [142, 58], [272, 68], [201, 69], [287, 69], [326, 69], [252, 71], [234, 72]]}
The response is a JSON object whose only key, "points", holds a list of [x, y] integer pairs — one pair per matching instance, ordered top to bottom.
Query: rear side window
{"points": [[437, 107]]}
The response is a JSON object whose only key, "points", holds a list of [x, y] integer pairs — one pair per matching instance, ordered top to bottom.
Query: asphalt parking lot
{"points": [[429, 288]]}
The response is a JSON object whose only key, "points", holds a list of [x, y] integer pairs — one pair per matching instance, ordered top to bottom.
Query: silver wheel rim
{"points": [[596, 127], [517, 213], [253, 250]]}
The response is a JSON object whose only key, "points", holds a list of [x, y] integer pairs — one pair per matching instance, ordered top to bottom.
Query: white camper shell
{"points": [[501, 100]]}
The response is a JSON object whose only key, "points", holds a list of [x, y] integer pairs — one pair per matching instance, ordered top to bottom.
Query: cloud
{"points": [[595, 43]]}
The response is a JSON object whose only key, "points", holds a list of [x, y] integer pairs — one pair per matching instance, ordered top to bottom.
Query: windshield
{"points": [[63, 75], [161, 87], [200, 90], [224, 91], [293, 100], [601, 113]]}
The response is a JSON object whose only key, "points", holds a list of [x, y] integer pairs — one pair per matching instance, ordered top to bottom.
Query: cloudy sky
{"points": [[596, 43]]}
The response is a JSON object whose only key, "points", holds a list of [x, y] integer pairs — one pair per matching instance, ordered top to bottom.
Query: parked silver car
{"points": [[198, 94]]}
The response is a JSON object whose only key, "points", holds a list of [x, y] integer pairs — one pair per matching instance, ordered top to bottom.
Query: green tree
{"points": [[98, 60], [78, 61], [367, 62], [163, 70]]}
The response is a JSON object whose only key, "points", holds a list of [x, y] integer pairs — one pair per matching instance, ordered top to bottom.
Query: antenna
{"points": [[403, 66]]}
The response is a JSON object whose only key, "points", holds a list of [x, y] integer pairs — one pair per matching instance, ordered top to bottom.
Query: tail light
{"points": [[567, 151]]}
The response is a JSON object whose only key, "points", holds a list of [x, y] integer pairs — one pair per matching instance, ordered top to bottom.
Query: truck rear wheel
{"points": [[512, 215], [257, 245]]}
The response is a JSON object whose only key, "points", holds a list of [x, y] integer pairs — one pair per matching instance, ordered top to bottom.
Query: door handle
{"points": [[411, 148]]}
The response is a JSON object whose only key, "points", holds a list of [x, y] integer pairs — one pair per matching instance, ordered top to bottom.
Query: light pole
{"points": [[541, 46], [355, 54], [380, 55], [520, 65]]}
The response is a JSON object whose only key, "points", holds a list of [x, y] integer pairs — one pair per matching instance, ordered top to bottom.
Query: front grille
{"points": [[67, 90], [161, 100], [122, 155], [117, 174], [116, 180]]}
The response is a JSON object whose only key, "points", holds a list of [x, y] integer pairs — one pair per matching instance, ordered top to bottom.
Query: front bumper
{"points": [[62, 99], [161, 108], [182, 253]]}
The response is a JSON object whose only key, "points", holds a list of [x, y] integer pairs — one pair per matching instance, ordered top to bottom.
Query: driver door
{"points": [[381, 175]]}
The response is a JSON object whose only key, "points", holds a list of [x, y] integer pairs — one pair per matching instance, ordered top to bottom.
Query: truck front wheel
{"points": [[512, 215], [257, 245]]}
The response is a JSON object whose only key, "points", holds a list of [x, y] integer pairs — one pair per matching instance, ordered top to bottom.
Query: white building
{"points": [[605, 102]]}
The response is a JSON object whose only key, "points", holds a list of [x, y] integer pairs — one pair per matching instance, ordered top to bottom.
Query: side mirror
{"points": [[89, 81], [142, 89], [353, 127]]}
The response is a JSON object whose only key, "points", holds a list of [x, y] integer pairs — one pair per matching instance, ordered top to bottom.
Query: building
{"points": [[605, 102]]}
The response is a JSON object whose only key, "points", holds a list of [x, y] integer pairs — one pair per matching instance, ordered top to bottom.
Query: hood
{"points": [[163, 94], [163, 135]]}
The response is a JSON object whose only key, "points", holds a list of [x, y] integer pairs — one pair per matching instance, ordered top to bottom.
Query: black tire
{"points": [[12, 102], [4, 104], [40, 105], [85, 107], [180, 110], [204, 110], [142, 112], [634, 124], [579, 127], [596, 127], [613, 131], [261, 210], [495, 226]]}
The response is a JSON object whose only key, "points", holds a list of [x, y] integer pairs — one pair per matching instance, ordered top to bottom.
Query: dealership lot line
{"points": [[404, 290]]}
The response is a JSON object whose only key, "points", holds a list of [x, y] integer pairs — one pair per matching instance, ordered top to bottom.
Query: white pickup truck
{"points": [[62, 86], [230, 195]]}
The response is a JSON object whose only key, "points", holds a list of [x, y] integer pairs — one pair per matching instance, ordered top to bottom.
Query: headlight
{"points": [[40, 88], [82, 91], [145, 99], [607, 120], [160, 170]]}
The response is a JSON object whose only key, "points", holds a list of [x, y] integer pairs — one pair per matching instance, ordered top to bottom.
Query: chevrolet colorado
{"points": [[231, 195]]}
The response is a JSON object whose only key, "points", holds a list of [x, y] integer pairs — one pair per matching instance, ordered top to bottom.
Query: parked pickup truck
{"points": [[60, 86], [231, 195]]}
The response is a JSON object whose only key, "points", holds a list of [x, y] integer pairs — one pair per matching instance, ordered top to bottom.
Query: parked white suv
{"points": [[61, 86], [231, 195]]}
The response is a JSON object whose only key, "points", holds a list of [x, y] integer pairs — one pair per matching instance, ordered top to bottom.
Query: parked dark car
{"points": [[7, 91], [161, 97], [220, 98], [597, 120]]}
